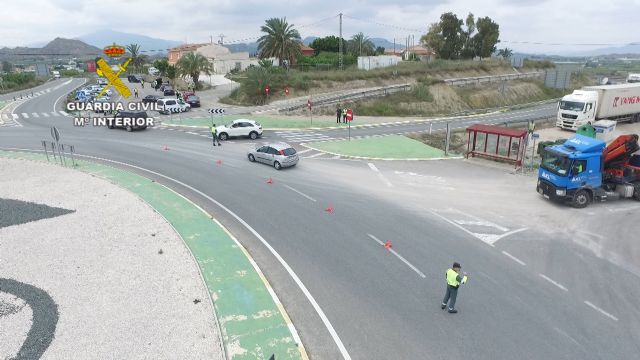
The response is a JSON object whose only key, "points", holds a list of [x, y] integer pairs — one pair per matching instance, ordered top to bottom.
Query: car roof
{"points": [[243, 120], [278, 145]]}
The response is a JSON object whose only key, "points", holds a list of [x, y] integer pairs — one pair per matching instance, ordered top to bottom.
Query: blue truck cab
{"points": [[572, 172]]}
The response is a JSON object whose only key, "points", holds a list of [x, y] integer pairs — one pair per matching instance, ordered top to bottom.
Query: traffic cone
{"points": [[165, 148], [219, 162], [270, 181], [329, 209], [387, 245]]}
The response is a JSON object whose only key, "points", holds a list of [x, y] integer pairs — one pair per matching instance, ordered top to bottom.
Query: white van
{"points": [[56, 74], [172, 105]]}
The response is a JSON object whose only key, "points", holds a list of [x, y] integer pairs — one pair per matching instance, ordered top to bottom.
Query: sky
{"points": [[544, 21]]}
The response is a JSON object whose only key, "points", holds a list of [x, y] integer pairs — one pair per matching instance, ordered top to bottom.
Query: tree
{"points": [[445, 37], [487, 37], [281, 41], [327, 43], [360, 45], [468, 48], [134, 50], [379, 50], [506, 53], [192, 64], [7, 66], [162, 66], [172, 72]]}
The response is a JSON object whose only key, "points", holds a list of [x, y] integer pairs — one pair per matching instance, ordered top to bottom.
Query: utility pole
{"points": [[221, 39], [340, 45]]}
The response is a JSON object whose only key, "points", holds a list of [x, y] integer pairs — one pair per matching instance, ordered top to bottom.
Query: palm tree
{"points": [[281, 41], [360, 44], [134, 50], [505, 53], [192, 64], [162, 66], [172, 72]]}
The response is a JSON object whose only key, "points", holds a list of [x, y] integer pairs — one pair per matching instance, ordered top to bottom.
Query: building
{"points": [[306, 51], [398, 51], [176, 53], [423, 53], [223, 60]]}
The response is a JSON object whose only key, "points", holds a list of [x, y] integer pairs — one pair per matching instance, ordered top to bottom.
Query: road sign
{"points": [[267, 89], [286, 91], [309, 104], [216, 111], [349, 114], [55, 134], [536, 135]]}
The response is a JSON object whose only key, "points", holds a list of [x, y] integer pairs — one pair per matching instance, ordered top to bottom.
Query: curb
{"points": [[379, 159], [232, 338]]}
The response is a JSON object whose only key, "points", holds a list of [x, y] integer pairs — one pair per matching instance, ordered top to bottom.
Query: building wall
{"points": [[375, 62]]}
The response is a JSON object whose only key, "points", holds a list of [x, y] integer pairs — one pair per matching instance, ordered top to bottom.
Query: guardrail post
{"points": [[44, 145], [71, 151]]}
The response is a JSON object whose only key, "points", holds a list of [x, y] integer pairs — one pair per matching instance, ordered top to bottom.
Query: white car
{"points": [[153, 71], [102, 81], [172, 105], [240, 127]]}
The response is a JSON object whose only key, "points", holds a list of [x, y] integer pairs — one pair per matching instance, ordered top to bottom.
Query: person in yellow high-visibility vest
{"points": [[454, 279]]}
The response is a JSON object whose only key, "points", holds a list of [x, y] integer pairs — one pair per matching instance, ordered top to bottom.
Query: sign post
{"points": [[309, 105], [349, 119], [55, 134], [535, 136]]}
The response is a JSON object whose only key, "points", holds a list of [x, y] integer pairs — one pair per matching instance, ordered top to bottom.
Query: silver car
{"points": [[278, 155]]}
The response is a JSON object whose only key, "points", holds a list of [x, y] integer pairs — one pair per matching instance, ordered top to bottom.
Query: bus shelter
{"points": [[496, 142]]}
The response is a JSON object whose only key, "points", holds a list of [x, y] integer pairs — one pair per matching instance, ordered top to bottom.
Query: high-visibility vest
{"points": [[214, 130], [452, 278]]}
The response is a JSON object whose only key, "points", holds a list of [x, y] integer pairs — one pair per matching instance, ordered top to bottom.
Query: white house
{"points": [[223, 60]]}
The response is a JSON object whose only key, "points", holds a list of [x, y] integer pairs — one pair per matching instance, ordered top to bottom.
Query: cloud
{"points": [[546, 21]]}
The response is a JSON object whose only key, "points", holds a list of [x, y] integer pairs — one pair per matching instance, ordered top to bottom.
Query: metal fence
{"points": [[492, 78], [355, 95], [59, 152]]}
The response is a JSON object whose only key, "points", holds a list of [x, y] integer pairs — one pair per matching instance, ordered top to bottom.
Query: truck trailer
{"points": [[620, 103], [583, 170]]}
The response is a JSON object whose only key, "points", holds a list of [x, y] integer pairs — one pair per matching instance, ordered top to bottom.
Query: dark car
{"points": [[134, 78], [165, 86], [169, 92], [185, 95], [150, 99], [194, 101], [118, 122]]}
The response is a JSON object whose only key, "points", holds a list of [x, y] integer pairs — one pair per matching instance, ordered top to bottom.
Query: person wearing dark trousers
{"points": [[135, 91], [338, 114], [344, 116], [214, 135], [454, 279]]}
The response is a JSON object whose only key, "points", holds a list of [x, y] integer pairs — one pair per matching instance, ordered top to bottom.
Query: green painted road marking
{"points": [[267, 122], [394, 147], [251, 322]]}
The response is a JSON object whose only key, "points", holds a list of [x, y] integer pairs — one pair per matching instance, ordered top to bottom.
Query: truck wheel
{"points": [[581, 199]]}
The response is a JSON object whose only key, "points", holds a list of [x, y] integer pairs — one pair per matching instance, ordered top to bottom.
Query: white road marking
{"points": [[53, 113], [64, 113], [45, 114], [25, 115], [35, 115], [15, 116], [192, 133], [304, 151], [314, 155], [336, 157], [382, 177], [300, 193], [481, 223], [463, 229], [514, 258], [422, 275], [294, 276], [553, 282], [601, 311]]}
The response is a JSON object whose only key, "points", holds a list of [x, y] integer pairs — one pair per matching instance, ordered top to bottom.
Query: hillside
{"points": [[103, 38], [57, 46]]}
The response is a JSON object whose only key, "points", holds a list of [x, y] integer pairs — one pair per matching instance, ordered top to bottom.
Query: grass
{"points": [[293, 122], [394, 147]]}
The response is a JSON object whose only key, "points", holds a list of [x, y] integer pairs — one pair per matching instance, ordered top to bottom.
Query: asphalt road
{"points": [[382, 305]]}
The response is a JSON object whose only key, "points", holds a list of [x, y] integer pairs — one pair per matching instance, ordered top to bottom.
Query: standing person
{"points": [[142, 83], [135, 92], [177, 95], [338, 114], [344, 116], [214, 135], [454, 279]]}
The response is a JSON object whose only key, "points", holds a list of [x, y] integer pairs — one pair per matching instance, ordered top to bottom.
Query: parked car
{"points": [[153, 71], [134, 78], [102, 81], [165, 86], [168, 92], [186, 94], [150, 98], [101, 99], [193, 100], [171, 105], [129, 114], [240, 127], [278, 155]]}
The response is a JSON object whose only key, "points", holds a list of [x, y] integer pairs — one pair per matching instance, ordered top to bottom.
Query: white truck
{"points": [[56, 74], [633, 78], [592, 103]]}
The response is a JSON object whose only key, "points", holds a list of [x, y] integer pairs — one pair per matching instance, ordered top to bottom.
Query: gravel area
{"points": [[121, 282]]}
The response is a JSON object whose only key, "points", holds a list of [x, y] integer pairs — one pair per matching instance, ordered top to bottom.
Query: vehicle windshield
{"points": [[571, 105], [289, 151], [556, 163]]}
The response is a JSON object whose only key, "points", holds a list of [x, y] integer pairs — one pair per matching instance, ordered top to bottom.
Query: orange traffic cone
{"points": [[165, 148], [219, 162], [270, 181], [329, 209], [387, 245]]}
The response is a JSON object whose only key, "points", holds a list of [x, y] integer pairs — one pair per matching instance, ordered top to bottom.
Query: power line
{"points": [[385, 25]]}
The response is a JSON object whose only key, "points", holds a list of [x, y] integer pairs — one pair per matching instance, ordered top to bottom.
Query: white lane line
{"points": [[65, 94], [53, 113], [64, 113], [45, 114], [25, 115], [35, 115], [14, 116], [192, 133], [304, 151], [314, 155], [336, 157], [382, 177], [300, 193], [458, 226], [510, 233], [514, 258], [422, 275], [294, 276], [553, 282], [600, 311]]}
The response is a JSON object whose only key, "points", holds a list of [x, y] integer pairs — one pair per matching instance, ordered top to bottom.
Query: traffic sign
{"points": [[267, 89], [286, 91], [309, 104], [216, 111], [349, 114], [55, 134], [536, 135]]}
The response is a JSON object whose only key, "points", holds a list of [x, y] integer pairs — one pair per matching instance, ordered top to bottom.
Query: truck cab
{"points": [[577, 109], [571, 172]]}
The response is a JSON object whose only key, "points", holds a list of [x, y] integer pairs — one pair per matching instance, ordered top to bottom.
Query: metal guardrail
{"points": [[491, 78], [355, 95], [62, 150]]}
